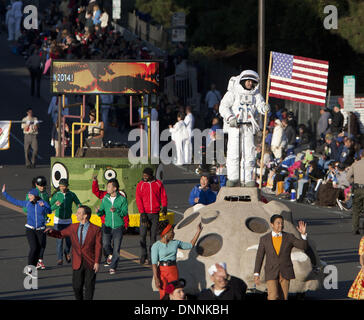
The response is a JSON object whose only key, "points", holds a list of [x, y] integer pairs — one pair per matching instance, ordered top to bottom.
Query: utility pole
{"points": [[261, 45]]}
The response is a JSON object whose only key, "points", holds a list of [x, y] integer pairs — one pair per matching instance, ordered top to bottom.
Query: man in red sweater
{"points": [[101, 194], [151, 198], [86, 241]]}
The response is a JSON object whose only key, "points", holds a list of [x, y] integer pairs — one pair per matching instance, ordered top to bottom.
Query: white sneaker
{"points": [[339, 204], [29, 272]]}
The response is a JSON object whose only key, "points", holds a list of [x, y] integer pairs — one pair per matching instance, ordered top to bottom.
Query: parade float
{"points": [[88, 161], [232, 227]]}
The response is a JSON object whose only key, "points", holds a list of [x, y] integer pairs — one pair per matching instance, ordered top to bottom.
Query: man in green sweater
{"points": [[61, 202], [115, 207]]}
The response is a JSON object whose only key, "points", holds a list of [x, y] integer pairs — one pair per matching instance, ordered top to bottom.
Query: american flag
{"points": [[298, 78]]}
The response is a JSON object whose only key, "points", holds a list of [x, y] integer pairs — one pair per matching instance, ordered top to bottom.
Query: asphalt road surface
{"points": [[329, 228]]}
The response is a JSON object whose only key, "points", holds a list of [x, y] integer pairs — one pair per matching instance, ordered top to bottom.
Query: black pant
{"points": [[35, 76], [278, 177], [153, 219], [36, 240], [84, 277]]}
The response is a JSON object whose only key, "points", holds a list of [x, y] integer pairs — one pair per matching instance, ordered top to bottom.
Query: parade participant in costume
{"points": [[239, 108], [180, 135], [39, 184], [101, 194], [151, 198], [61, 202], [115, 208], [37, 210], [164, 255], [357, 288]]}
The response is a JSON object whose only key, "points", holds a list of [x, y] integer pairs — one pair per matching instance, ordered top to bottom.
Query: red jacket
{"points": [[101, 194], [150, 196], [91, 249]]}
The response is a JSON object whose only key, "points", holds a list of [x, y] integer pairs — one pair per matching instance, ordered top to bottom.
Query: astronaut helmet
{"points": [[249, 75]]}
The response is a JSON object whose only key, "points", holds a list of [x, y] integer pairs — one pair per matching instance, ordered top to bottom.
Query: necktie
{"points": [[81, 234]]}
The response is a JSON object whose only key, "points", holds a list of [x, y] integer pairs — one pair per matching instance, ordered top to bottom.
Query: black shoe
{"points": [[356, 232]]}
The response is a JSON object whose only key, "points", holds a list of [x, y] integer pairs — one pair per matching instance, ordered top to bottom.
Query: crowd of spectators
{"points": [[79, 29], [308, 161], [313, 164]]}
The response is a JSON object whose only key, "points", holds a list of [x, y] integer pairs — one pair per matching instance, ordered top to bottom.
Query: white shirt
{"points": [[190, 123], [112, 199], [218, 292]]}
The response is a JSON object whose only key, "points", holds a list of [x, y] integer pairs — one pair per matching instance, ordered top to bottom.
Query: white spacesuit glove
{"points": [[266, 108], [233, 122]]}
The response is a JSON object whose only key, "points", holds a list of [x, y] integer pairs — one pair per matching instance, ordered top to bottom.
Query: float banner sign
{"points": [[106, 77]]}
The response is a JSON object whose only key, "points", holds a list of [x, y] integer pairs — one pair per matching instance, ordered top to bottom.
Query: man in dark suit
{"points": [[277, 246], [86, 252]]}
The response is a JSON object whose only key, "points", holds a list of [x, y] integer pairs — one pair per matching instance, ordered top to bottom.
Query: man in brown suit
{"points": [[277, 246], [86, 252]]}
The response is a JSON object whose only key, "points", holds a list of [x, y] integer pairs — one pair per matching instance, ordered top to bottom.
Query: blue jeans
{"points": [[287, 183], [59, 242], [111, 242]]}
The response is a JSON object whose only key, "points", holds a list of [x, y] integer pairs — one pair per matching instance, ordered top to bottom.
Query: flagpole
{"points": [[265, 123]]}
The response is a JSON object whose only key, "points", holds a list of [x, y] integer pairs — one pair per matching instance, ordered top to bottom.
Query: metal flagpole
{"points": [[265, 123]]}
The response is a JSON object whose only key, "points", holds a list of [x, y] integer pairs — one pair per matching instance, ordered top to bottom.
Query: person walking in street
{"points": [[35, 66], [30, 129], [355, 175], [39, 184], [101, 194], [151, 198], [61, 202], [115, 208], [37, 210], [276, 247], [86, 252], [164, 255], [357, 288]]}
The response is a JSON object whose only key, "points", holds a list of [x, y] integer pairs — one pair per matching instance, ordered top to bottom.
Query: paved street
{"points": [[329, 228]]}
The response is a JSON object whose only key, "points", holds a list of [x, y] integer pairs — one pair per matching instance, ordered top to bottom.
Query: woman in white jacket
{"points": [[179, 136], [278, 139]]}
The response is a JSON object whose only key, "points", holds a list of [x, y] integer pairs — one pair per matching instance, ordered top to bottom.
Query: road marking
{"points": [[14, 136], [11, 207], [180, 213], [132, 257]]}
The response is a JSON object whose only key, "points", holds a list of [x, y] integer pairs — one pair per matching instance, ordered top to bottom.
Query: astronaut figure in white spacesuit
{"points": [[239, 108]]}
